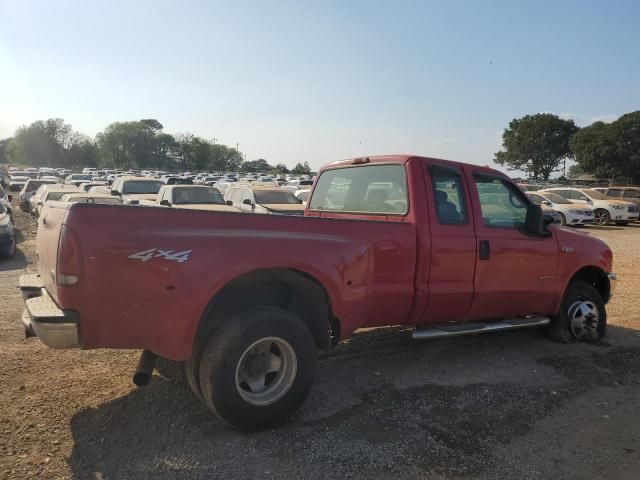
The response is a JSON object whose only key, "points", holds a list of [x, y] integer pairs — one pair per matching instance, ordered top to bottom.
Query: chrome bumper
{"points": [[613, 280], [56, 328]]}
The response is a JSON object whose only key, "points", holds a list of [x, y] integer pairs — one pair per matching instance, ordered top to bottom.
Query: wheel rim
{"points": [[601, 217], [563, 219], [584, 320], [266, 371]]}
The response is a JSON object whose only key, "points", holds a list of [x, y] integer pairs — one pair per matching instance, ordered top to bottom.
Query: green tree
{"points": [[536, 144], [3, 150], [610, 150], [255, 166], [281, 168], [301, 169]]}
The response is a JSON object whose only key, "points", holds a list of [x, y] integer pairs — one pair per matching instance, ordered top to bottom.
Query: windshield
{"points": [[81, 177], [142, 187], [595, 194], [55, 195], [197, 195], [271, 197], [555, 198]]}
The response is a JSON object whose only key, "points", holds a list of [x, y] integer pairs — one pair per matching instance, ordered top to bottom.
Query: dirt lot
{"points": [[509, 405]]}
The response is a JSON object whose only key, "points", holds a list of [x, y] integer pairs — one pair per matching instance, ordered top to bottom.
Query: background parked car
{"points": [[78, 178], [17, 181], [29, 189], [136, 190], [46, 193], [628, 194], [196, 197], [264, 199], [5, 201], [606, 209], [569, 213], [7, 234]]}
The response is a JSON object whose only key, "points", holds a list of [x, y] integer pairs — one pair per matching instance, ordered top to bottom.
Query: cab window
{"points": [[377, 189], [614, 192], [631, 194], [501, 203], [451, 206]]}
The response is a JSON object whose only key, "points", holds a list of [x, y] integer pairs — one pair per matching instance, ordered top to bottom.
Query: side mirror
{"points": [[116, 193], [9, 197], [247, 201], [166, 203], [229, 203], [546, 203], [39, 204], [534, 225]]}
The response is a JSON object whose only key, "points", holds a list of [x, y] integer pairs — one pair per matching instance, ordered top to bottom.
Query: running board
{"points": [[470, 328]]}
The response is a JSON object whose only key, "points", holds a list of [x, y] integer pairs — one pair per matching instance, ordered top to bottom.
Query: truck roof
{"points": [[400, 159]]}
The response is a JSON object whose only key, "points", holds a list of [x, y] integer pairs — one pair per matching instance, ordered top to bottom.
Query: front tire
{"points": [[602, 216], [563, 219], [582, 315], [258, 368]]}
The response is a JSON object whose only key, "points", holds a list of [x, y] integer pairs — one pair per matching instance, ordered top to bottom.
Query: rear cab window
{"points": [[379, 189], [448, 190]]}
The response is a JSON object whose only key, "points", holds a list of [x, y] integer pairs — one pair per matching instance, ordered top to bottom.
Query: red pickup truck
{"points": [[247, 300]]}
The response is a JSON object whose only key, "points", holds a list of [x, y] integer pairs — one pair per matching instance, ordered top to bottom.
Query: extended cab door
{"points": [[453, 243], [515, 273]]}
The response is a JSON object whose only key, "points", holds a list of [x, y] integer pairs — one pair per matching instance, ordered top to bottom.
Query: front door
{"points": [[515, 273]]}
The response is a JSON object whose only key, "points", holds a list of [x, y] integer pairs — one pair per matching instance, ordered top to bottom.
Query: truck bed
{"points": [[146, 275]]}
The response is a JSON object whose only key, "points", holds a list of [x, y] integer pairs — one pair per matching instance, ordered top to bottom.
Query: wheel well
{"points": [[596, 277], [288, 289]]}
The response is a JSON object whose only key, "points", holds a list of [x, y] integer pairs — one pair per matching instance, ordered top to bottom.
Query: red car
{"points": [[246, 300]]}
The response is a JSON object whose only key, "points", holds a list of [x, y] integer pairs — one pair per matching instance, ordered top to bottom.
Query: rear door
{"points": [[453, 244], [515, 273]]}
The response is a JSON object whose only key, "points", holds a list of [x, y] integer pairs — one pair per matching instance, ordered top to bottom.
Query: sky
{"points": [[293, 81]]}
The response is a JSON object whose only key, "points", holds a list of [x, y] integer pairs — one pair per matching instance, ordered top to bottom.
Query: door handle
{"points": [[484, 250]]}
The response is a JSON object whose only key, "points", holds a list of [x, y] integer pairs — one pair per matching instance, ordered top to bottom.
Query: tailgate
{"points": [[49, 228]]}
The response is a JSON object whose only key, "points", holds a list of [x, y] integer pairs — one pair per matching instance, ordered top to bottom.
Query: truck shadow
{"points": [[380, 392]]}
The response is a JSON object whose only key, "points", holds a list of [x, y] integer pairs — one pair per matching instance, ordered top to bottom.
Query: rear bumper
{"points": [[56, 328]]}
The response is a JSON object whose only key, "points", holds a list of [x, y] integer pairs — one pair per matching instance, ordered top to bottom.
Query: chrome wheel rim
{"points": [[601, 217], [584, 319], [266, 371]]}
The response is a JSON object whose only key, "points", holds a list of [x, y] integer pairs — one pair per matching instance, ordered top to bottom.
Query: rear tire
{"points": [[582, 315], [258, 368]]}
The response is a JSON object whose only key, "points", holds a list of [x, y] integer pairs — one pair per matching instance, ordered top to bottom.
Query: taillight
{"points": [[69, 258]]}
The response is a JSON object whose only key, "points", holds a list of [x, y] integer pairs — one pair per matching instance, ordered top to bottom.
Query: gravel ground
{"points": [[506, 405]]}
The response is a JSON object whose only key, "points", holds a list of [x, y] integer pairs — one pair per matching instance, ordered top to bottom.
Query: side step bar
{"points": [[470, 328]]}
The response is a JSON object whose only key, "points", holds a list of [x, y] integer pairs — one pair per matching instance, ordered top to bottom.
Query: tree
{"points": [[536, 144], [3, 150], [610, 150], [256, 166], [281, 168], [301, 169], [575, 170]]}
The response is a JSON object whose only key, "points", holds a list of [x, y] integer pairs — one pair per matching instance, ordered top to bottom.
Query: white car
{"points": [[17, 181], [295, 185], [136, 190], [48, 193], [303, 195], [606, 210], [569, 213]]}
